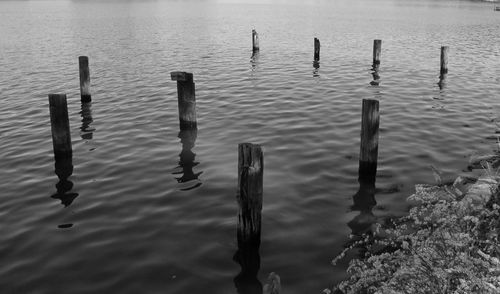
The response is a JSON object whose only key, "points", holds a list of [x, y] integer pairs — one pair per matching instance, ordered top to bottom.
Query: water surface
{"points": [[143, 208]]}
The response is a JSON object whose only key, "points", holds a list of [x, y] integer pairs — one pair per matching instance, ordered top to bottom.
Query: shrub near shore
{"points": [[449, 243]]}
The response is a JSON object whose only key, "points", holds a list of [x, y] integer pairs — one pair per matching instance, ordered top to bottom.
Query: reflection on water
{"points": [[254, 60], [316, 69], [375, 75], [442, 81], [86, 131], [187, 160], [64, 169], [364, 201], [248, 257], [246, 282]]}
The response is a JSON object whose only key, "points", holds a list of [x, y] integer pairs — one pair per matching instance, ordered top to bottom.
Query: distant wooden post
{"points": [[255, 41], [377, 48], [316, 49], [444, 60], [83, 62], [186, 99], [59, 121], [368, 154], [250, 180]]}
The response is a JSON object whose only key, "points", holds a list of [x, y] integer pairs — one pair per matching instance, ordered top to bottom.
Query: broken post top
{"points": [[181, 76]]}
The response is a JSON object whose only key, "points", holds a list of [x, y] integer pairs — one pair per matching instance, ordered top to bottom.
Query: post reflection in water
{"points": [[254, 60], [316, 69], [375, 75], [442, 81], [86, 131], [187, 160], [63, 170], [364, 201], [248, 257]]}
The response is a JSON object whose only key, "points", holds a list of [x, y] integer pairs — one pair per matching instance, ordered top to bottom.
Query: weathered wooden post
{"points": [[255, 41], [377, 48], [316, 49], [444, 60], [83, 62], [186, 99], [59, 121], [368, 153], [249, 196]]}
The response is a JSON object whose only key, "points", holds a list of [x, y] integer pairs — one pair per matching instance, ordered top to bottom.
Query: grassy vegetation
{"points": [[448, 243]]}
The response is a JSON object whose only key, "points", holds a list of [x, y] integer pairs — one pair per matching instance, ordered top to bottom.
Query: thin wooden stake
{"points": [[255, 41], [377, 48], [316, 49], [444, 60], [83, 62], [186, 99], [59, 121], [368, 154]]}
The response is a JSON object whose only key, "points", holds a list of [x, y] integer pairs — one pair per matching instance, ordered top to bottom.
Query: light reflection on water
{"points": [[136, 227]]}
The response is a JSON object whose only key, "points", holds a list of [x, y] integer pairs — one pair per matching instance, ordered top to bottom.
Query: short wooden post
{"points": [[255, 41], [377, 48], [316, 49], [444, 60], [83, 62], [186, 99], [59, 121], [368, 153], [250, 180], [273, 285]]}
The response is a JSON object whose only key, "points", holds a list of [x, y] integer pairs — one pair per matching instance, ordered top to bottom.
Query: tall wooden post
{"points": [[255, 41], [377, 48], [316, 49], [444, 60], [83, 62], [186, 99], [59, 121], [368, 154], [250, 181], [249, 196]]}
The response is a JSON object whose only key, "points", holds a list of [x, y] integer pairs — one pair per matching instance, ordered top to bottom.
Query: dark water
{"points": [[142, 208]]}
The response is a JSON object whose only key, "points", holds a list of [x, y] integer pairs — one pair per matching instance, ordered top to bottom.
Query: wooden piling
{"points": [[255, 41], [377, 48], [316, 49], [444, 60], [83, 62], [186, 99], [59, 121], [368, 153], [250, 180]]}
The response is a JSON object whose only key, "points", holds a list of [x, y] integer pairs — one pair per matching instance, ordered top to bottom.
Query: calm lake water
{"points": [[132, 227]]}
